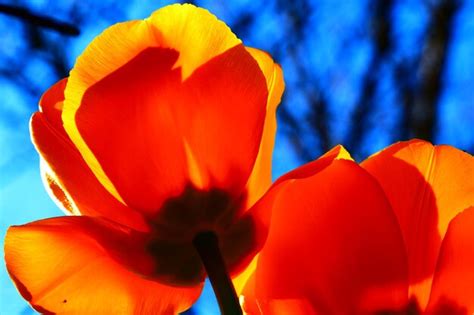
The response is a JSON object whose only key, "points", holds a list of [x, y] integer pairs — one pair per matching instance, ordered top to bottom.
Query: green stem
{"points": [[207, 246]]}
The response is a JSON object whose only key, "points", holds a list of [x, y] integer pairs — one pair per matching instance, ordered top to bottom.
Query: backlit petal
{"points": [[193, 32], [197, 34], [112, 49], [51, 105], [216, 115], [222, 115], [129, 125], [140, 130], [311, 168], [64, 171], [261, 177], [426, 186], [260, 213], [334, 244], [76, 265], [244, 277], [453, 282], [297, 306]]}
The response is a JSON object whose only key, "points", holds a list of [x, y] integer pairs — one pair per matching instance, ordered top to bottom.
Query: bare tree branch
{"points": [[42, 21], [381, 35], [433, 60]]}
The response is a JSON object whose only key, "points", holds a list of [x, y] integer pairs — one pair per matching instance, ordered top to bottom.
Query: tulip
{"points": [[156, 146], [394, 235]]}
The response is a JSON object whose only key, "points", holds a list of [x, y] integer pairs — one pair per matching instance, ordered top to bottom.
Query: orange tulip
{"points": [[164, 129], [394, 235]]}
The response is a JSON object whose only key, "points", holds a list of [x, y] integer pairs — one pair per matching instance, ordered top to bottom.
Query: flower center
{"points": [[181, 219]]}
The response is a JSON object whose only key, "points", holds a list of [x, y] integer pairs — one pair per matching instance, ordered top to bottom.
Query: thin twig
{"points": [[42, 21]]}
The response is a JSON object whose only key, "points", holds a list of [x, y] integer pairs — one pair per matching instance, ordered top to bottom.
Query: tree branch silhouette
{"points": [[39, 20], [382, 39], [432, 63]]}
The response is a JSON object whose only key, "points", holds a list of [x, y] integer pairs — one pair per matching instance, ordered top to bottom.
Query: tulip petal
{"points": [[193, 32], [197, 34], [51, 105], [221, 117], [146, 134], [136, 141], [149, 143], [311, 168], [65, 173], [261, 176], [426, 186], [260, 213], [334, 244], [77, 265], [453, 281], [297, 306]]}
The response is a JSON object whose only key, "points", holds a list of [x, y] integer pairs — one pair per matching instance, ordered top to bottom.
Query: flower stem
{"points": [[207, 246]]}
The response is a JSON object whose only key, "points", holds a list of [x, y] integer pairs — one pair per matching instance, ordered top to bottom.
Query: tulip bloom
{"points": [[163, 130], [394, 235]]}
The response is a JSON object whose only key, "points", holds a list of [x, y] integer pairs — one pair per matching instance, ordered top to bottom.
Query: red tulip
{"points": [[164, 129], [392, 236]]}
